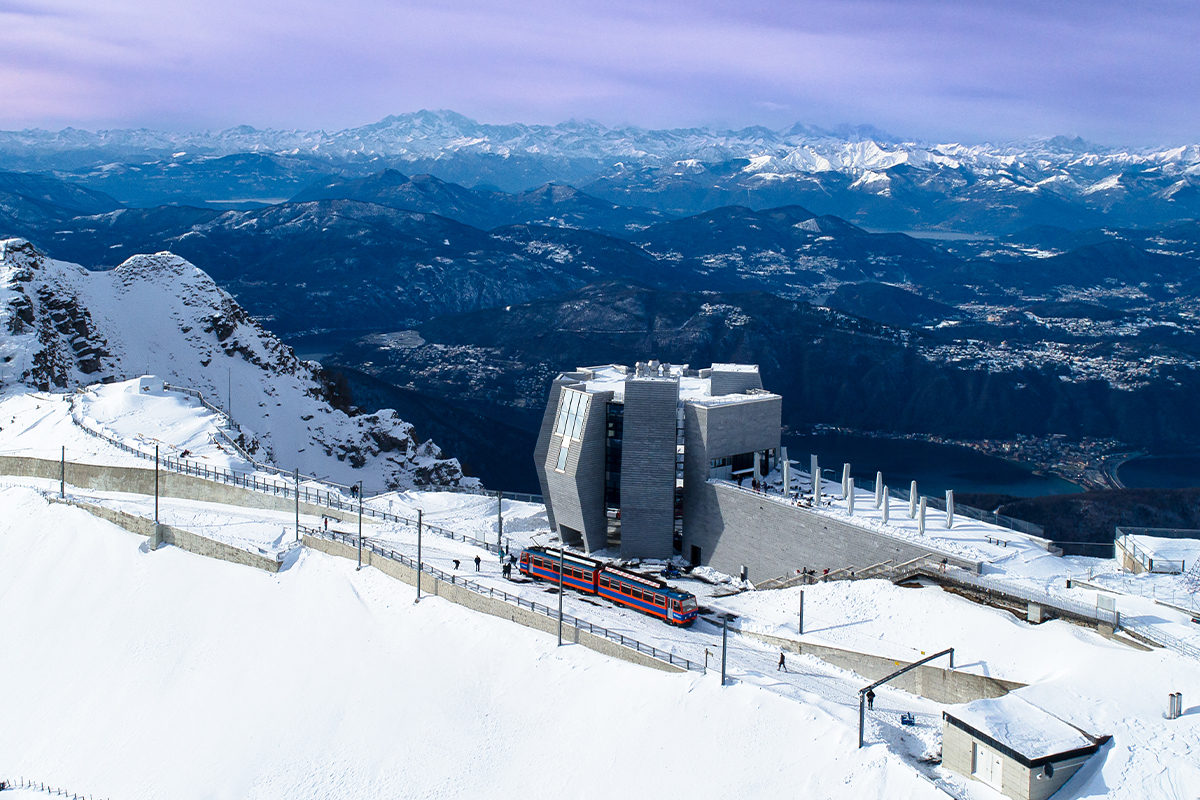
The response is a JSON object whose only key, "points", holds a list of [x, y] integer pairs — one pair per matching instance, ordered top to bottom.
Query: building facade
{"points": [[623, 455]]}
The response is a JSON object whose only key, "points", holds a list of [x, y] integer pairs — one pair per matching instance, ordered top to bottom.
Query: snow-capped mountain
{"points": [[860, 174], [62, 327]]}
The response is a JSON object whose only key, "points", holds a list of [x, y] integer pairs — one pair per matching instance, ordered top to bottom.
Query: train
{"points": [[622, 586]]}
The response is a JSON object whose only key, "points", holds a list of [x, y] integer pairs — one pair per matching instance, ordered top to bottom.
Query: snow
{"points": [[161, 315], [693, 389], [1186, 550], [163, 674], [1021, 725]]}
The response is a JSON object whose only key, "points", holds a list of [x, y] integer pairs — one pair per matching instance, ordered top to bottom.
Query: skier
{"points": [[478, 561], [782, 662]]}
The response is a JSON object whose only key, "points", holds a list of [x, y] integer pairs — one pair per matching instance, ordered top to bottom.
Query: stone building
{"points": [[1014, 747]]}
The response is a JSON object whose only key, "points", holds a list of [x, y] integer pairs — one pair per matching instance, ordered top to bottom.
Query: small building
{"points": [[1163, 550], [1013, 746]]}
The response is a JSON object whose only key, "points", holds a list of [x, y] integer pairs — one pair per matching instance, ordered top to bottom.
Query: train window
{"points": [[604, 581], [659, 600], [675, 604]]}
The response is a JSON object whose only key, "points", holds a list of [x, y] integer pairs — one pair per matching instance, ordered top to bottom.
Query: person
{"points": [[354, 490], [327, 524], [478, 561], [456, 563], [943, 565], [782, 662], [870, 699]]}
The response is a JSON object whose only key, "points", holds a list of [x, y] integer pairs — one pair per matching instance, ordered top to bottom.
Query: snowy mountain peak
{"points": [[62, 327]]}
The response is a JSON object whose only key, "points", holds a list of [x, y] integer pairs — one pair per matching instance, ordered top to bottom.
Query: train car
{"points": [[579, 572], [621, 586], [648, 595]]}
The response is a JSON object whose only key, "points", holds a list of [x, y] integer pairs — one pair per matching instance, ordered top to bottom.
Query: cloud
{"points": [[924, 68]]}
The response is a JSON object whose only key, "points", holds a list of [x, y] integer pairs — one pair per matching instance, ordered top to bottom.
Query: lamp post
{"points": [[360, 524], [419, 526], [560, 589]]}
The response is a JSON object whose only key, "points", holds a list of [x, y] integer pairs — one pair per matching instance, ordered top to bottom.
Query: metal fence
{"points": [[326, 498], [1149, 561], [1015, 591], [511, 599], [22, 783]]}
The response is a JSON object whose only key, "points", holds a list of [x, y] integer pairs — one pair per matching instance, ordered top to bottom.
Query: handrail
{"points": [[327, 498], [517, 600]]}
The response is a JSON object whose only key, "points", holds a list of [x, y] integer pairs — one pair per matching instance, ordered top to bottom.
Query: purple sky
{"points": [[970, 70]]}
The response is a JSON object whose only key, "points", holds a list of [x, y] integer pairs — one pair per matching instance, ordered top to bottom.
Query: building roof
{"points": [[695, 386], [1030, 733]]}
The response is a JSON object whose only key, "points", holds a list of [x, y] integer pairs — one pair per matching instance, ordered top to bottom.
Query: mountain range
{"points": [[860, 174]]}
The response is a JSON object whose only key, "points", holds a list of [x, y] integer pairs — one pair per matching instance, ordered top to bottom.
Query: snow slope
{"points": [[62, 327], [135, 675]]}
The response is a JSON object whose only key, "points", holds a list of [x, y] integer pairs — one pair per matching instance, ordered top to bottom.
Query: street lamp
{"points": [[360, 524]]}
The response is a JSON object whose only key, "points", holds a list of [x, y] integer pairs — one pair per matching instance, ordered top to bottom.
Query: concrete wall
{"points": [[733, 381], [545, 432], [648, 468], [140, 480], [578, 492], [736, 527], [183, 539], [497, 608], [935, 683]]}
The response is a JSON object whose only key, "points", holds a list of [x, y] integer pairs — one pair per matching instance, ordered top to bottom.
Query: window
{"points": [[561, 466], [604, 581], [659, 600]]}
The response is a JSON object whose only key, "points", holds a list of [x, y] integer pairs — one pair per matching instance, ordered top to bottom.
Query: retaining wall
{"points": [[138, 480], [736, 527], [183, 539], [487, 605], [940, 685]]}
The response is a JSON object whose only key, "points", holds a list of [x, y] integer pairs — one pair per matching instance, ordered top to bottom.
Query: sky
{"points": [[937, 70]]}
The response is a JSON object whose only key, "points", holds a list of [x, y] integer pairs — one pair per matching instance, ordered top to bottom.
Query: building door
{"points": [[695, 556], [987, 765]]}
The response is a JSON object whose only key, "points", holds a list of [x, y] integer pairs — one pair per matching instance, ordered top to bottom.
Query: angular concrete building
{"points": [[624, 455]]}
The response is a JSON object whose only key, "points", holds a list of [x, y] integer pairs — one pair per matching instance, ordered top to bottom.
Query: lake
{"points": [[935, 467], [1161, 472]]}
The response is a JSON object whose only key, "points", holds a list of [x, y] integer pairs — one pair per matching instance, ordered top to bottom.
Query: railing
{"points": [[523, 497], [327, 498], [915, 543], [1149, 561], [1013, 591], [511, 599], [1159, 637], [36, 786]]}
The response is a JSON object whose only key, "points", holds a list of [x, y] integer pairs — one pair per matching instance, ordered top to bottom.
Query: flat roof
{"points": [[692, 388], [1187, 550], [1022, 727]]}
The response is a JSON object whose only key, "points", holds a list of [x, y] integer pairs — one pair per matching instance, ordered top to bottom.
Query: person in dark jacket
{"points": [[478, 561], [456, 563], [782, 662], [870, 699]]}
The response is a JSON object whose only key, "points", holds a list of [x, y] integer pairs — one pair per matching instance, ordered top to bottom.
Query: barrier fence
{"points": [[326, 498], [512, 599], [37, 786]]}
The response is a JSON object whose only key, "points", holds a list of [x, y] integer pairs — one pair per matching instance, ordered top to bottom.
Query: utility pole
{"points": [[229, 392], [62, 481], [155, 484], [296, 488], [360, 524], [420, 524], [500, 525], [561, 543], [801, 626], [724, 646]]}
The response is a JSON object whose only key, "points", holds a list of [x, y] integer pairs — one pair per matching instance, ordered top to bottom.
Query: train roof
{"points": [[567, 556], [647, 580]]}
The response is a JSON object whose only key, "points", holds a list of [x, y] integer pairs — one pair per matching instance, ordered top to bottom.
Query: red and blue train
{"points": [[621, 586]]}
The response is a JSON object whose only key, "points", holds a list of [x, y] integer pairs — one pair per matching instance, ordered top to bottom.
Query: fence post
{"points": [[62, 481], [296, 489], [420, 514], [724, 646]]}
